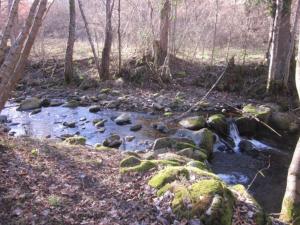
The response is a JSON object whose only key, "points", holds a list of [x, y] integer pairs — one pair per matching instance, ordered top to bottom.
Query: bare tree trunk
{"points": [[8, 28], [174, 28], [13, 32], [230, 32], [215, 33], [271, 34], [89, 37], [119, 37], [274, 46], [161, 47], [105, 61], [287, 65], [12, 68], [69, 70], [290, 211]]}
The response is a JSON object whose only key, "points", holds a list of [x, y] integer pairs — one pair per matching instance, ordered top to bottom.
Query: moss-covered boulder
{"points": [[71, 104], [261, 112], [281, 121], [193, 123], [218, 123], [246, 125], [76, 140], [205, 140], [175, 144], [100, 147], [193, 154], [170, 156], [130, 162], [198, 164], [142, 167], [168, 175], [242, 195], [209, 200]]}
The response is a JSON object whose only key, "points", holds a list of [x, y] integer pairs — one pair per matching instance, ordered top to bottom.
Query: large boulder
{"points": [[30, 104], [261, 112], [281, 121], [193, 123], [218, 123], [205, 140], [175, 144]]}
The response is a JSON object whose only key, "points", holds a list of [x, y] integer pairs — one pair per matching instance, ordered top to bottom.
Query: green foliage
{"points": [[54, 200]]}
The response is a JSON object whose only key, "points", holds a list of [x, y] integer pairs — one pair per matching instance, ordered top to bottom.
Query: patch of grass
{"points": [[54, 201]]}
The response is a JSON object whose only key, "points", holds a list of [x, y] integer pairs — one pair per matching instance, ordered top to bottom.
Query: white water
{"points": [[235, 135]]}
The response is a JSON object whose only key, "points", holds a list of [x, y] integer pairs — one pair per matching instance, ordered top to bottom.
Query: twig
{"points": [[205, 96], [260, 172]]}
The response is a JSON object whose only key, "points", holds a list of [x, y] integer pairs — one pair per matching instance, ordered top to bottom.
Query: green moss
{"points": [[105, 90], [261, 112], [168, 114], [218, 123], [76, 140], [206, 140], [100, 147], [174, 157], [130, 162], [165, 162], [198, 165], [144, 166], [167, 175], [206, 188], [164, 189], [180, 202], [290, 211]]}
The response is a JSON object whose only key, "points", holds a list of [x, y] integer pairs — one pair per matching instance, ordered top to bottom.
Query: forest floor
{"points": [[45, 182]]}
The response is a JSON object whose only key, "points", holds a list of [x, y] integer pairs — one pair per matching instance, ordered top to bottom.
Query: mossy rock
{"points": [[105, 90], [30, 104], [261, 112], [193, 123], [218, 123], [76, 140], [205, 140], [176, 144], [100, 147], [193, 154], [174, 157], [130, 161], [165, 163], [198, 164], [144, 166], [167, 175], [207, 200], [259, 215]]}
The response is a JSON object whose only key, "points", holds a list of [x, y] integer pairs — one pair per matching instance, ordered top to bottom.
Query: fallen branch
{"points": [[204, 97]]}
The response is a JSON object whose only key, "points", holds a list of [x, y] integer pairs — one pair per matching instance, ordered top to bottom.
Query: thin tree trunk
{"points": [[8, 29], [174, 29], [230, 31], [13, 32], [215, 33], [271, 34], [119, 36], [89, 37], [274, 46], [161, 47], [105, 61], [287, 65], [69, 70], [11, 71], [290, 211]]}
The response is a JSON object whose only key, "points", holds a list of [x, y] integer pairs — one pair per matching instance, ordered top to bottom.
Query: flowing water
{"points": [[232, 166]]}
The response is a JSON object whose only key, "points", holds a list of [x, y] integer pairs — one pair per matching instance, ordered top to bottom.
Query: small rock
{"points": [[45, 102], [56, 102], [30, 104], [72, 104], [157, 106], [94, 109], [36, 111], [124, 118], [3, 119], [82, 119], [100, 123], [193, 123], [70, 124], [136, 127], [161, 127], [102, 129], [129, 138], [113, 141]]}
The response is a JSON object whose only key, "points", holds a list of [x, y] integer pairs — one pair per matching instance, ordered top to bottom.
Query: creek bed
{"points": [[233, 168]]}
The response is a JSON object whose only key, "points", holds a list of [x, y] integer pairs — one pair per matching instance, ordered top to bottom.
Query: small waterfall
{"points": [[234, 135]]}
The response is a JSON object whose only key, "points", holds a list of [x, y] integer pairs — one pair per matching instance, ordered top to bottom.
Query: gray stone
{"points": [[30, 104], [94, 109], [124, 118], [3, 119], [193, 123], [136, 127], [113, 141]]}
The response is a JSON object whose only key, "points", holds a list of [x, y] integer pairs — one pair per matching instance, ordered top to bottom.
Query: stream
{"points": [[233, 167]]}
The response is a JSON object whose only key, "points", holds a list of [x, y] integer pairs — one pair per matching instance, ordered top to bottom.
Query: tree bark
{"points": [[8, 29], [14, 30], [215, 33], [89, 37], [119, 37], [274, 47], [291, 48], [105, 61], [13, 66], [69, 70], [290, 211]]}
